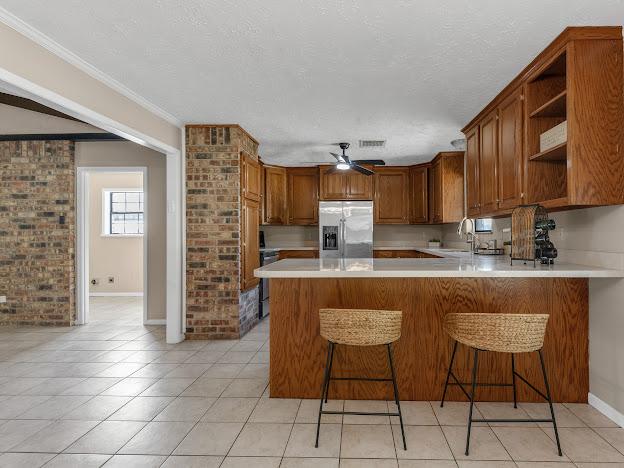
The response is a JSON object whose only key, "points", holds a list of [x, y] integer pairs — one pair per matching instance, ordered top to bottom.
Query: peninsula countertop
{"points": [[451, 263]]}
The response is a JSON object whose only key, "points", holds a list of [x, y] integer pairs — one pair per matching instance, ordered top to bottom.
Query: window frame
{"points": [[107, 212]]}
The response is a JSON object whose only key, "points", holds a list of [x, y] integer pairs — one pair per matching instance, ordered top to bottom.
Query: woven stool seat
{"points": [[360, 327], [503, 333]]}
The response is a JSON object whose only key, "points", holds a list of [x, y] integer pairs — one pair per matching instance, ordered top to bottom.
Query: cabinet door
{"points": [[487, 163], [509, 168], [472, 172], [251, 177], [303, 185], [333, 185], [360, 186], [435, 192], [274, 195], [391, 199], [419, 203], [250, 248], [298, 254]]}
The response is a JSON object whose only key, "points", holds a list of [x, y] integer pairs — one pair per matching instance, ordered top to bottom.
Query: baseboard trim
{"points": [[116, 294], [155, 322], [606, 409]]}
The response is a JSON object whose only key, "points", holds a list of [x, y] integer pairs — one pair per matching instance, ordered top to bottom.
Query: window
{"points": [[123, 212], [483, 225]]}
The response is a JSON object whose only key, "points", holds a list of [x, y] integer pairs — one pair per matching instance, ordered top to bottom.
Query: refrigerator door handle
{"points": [[343, 241]]}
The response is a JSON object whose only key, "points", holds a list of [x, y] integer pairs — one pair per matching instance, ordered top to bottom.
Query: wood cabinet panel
{"points": [[488, 130], [509, 166], [472, 172], [251, 177], [344, 185], [303, 186], [446, 187], [435, 192], [274, 195], [419, 195], [391, 201], [250, 242], [298, 254], [402, 254], [424, 350]]}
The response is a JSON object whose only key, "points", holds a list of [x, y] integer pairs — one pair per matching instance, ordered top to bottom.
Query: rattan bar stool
{"points": [[359, 327], [501, 333]]}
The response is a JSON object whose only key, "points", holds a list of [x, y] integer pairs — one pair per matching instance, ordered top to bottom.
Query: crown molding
{"points": [[54, 47]]}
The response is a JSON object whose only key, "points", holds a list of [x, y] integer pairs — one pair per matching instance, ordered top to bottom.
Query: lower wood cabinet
{"points": [[302, 199], [391, 199], [250, 242], [298, 254], [402, 254]]}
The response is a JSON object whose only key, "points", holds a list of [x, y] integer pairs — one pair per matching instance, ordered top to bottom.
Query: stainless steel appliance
{"points": [[346, 229], [267, 256]]}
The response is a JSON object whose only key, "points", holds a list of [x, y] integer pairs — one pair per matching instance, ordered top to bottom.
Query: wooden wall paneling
{"points": [[488, 154], [510, 156], [303, 187], [419, 194], [275, 195], [391, 195], [473, 197], [422, 354]]}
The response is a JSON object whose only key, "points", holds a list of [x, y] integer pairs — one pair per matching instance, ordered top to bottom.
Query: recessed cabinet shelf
{"points": [[556, 107], [556, 153]]}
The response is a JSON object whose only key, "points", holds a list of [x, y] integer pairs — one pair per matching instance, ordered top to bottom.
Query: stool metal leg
{"points": [[331, 363], [448, 374], [513, 379], [323, 390], [396, 395], [472, 397], [552, 411]]}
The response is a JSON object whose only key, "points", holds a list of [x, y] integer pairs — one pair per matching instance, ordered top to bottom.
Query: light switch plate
{"points": [[2, 299]]}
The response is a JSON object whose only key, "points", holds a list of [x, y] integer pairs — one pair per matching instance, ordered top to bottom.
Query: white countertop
{"points": [[375, 247], [453, 263]]}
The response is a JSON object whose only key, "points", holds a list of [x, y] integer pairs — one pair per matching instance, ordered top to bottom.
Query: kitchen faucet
{"points": [[471, 237]]}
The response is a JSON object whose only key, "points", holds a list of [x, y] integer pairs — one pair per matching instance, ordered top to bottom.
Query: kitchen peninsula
{"points": [[425, 289]]}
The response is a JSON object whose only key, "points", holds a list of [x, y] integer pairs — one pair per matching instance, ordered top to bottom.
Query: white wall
{"points": [[14, 121], [126, 154], [593, 236], [110, 256]]}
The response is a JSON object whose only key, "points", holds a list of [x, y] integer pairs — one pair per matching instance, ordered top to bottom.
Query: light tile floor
{"points": [[113, 393]]}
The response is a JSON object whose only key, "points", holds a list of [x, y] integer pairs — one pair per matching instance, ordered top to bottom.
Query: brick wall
{"points": [[37, 222], [213, 298]]}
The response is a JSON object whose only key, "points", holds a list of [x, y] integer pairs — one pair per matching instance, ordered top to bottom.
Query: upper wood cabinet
{"points": [[578, 79], [488, 154], [509, 162], [251, 177], [344, 185], [303, 186], [446, 187], [419, 194], [275, 195], [473, 197], [391, 200], [250, 242]]}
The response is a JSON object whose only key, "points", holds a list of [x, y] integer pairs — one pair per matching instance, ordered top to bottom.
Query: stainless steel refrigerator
{"points": [[346, 229]]}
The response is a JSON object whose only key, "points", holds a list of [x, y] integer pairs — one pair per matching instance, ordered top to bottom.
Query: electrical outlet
{"points": [[111, 279], [95, 281], [2, 299]]}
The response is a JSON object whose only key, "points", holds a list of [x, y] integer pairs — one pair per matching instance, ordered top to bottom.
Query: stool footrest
{"points": [[359, 413], [520, 420]]}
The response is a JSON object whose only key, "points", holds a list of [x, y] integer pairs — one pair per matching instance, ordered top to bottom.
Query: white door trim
{"points": [[175, 187], [83, 221]]}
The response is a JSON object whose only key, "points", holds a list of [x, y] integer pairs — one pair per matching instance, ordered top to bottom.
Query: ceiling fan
{"points": [[343, 162]]}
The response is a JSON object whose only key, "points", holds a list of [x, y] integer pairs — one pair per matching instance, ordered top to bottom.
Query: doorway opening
{"points": [[112, 245]]}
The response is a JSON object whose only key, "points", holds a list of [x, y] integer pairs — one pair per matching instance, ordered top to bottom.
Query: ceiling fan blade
{"points": [[337, 156], [346, 158], [374, 162], [362, 170]]}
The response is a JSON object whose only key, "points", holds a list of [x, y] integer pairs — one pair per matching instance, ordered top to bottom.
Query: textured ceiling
{"points": [[301, 74]]}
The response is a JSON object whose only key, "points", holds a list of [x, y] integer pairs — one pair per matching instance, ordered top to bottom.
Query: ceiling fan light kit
{"points": [[343, 162]]}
